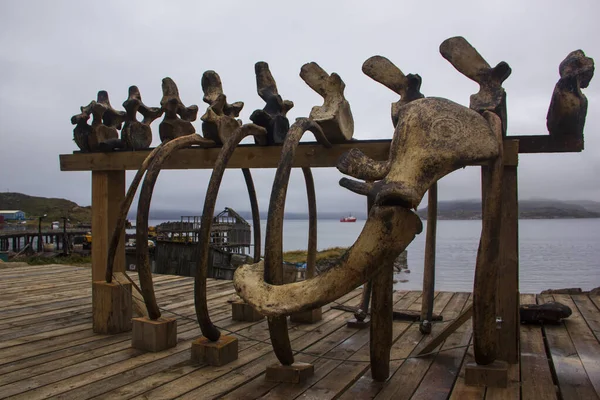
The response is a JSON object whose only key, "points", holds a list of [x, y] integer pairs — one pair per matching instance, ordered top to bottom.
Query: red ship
{"points": [[349, 218]]}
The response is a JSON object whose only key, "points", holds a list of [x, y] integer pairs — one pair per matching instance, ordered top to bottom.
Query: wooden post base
{"points": [[111, 307], [242, 311], [307, 317], [354, 323], [154, 335], [221, 352], [298, 372], [492, 375]]}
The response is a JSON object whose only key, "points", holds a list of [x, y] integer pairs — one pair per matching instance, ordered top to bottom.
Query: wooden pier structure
{"points": [[16, 240], [48, 349]]}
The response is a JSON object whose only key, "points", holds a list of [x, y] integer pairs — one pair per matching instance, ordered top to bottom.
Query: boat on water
{"points": [[349, 218]]}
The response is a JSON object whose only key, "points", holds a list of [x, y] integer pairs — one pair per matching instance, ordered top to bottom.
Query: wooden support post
{"points": [[108, 191], [488, 257], [429, 264], [507, 297], [111, 308], [242, 311], [307, 317], [381, 323], [154, 335], [221, 352], [489, 371], [298, 372], [491, 375]]}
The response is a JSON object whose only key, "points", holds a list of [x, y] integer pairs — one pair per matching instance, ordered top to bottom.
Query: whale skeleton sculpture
{"points": [[432, 138]]}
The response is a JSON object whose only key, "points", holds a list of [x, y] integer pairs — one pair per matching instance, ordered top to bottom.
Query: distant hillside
{"points": [[36, 206], [528, 209]]}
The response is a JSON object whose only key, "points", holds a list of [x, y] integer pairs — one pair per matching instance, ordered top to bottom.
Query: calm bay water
{"points": [[554, 253]]}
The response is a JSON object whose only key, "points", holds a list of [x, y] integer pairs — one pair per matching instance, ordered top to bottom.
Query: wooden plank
{"points": [[308, 154], [24, 275], [48, 286], [507, 294], [595, 298], [45, 299], [8, 312], [589, 312], [62, 313], [52, 325], [44, 335], [435, 341], [61, 343], [342, 343], [586, 344], [75, 354], [103, 357], [55, 367], [330, 371], [330, 375], [441, 375], [73, 376], [536, 377], [141, 379], [573, 380], [405, 381], [211, 382], [359, 382], [102, 384], [461, 391], [512, 391]]}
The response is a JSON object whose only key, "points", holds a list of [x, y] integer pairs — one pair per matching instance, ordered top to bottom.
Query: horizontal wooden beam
{"points": [[549, 144], [245, 156]]}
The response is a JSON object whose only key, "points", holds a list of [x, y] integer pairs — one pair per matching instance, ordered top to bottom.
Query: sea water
{"points": [[554, 253]]}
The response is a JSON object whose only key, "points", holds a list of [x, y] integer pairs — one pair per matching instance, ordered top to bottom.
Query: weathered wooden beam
{"points": [[549, 144], [309, 154], [108, 190], [488, 256], [429, 264], [507, 296], [381, 323]]}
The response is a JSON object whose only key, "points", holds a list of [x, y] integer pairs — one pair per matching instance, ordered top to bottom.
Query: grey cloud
{"points": [[57, 55]]}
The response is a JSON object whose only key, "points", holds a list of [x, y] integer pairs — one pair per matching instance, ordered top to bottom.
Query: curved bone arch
{"points": [[143, 211], [209, 330]]}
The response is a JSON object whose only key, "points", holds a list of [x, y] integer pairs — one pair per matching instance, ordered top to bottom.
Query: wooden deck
{"points": [[48, 349]]}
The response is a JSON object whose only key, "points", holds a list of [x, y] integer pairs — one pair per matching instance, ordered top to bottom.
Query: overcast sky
{"points": [[56, 55]]}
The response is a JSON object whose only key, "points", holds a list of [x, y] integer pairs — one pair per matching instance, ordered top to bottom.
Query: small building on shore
{"points": [[15, 215], [229, 232], [176, 250]]}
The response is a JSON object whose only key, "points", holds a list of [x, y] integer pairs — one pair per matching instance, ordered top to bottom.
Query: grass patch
{"points": [[298, 256]]}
